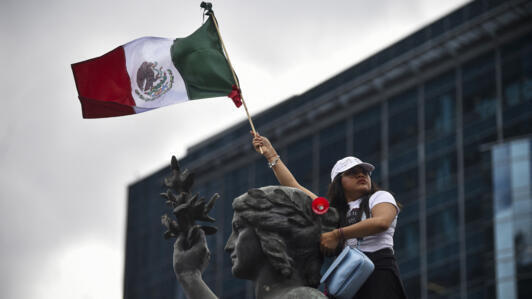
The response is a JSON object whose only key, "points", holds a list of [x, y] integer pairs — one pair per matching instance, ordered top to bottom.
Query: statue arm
{"points": [[282, 173], [191, 257], [194, 286]]}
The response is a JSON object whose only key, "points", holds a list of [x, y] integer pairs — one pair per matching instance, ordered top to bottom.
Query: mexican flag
{"points": [[152, 72]]}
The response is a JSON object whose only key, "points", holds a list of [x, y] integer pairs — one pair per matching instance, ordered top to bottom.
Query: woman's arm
{"points": [[282, 173], [383, 215]]}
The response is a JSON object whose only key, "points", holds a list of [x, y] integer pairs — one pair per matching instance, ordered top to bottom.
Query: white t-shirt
{"points": [[378, 241]]}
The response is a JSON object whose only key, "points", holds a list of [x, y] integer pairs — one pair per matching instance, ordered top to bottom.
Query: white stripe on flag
{"points": [[149, 65]]}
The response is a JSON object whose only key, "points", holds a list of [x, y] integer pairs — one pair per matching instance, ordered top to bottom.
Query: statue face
{"points": [[245, 250]]}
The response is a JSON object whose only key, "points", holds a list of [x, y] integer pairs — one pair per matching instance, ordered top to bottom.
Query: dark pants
{"points": [[384, 282]]}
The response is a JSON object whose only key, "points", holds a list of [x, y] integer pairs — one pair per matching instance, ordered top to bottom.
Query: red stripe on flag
{"points": [[104, 78], [99, 109]]}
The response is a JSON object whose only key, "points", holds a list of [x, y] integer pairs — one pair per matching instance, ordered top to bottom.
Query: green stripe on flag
{"points": [[200, 60]]}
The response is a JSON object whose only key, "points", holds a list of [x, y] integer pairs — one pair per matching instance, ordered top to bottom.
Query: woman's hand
{"points": [[260, 142], [329, 242]]}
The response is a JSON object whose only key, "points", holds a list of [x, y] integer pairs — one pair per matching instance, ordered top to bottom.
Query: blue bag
{"points": [[347, 273]]}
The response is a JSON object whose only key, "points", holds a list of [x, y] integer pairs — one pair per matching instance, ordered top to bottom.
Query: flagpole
{"points": [[234, 75]]}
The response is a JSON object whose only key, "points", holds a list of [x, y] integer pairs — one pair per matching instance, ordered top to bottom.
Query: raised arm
{"points": [[282, 173], [190, 262]]}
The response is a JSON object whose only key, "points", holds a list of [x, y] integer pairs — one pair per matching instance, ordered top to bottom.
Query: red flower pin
{"points": [[320, 205]]}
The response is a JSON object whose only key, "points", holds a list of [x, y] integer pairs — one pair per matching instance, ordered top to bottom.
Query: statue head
{"points": [[276, 225]]}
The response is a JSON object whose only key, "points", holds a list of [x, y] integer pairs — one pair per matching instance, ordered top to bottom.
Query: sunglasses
{"points": [[354, 171]]}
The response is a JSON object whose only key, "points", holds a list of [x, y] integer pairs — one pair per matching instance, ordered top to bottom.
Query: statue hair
{"points": [[287, 228]]}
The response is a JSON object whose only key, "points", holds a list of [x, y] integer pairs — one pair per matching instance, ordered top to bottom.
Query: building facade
{"points": [[438, 113], [512, 225]]}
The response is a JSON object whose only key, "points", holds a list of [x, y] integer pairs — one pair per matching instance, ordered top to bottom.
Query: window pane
{"points": [[517, 87], [479, 105], [440, 115], [402, 129], [367, 138], [332, 149], [299, 160], [263, 174], [441, 180], [404, 187], [442, 228], [406, 244], [443, 280], [412, 285]]}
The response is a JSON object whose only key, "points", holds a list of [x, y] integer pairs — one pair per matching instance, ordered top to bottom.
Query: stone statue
{"points": [[274, 242]]}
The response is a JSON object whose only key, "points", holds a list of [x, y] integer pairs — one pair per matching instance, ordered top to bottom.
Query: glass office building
{"points": [[444, 115], [512, 204]]}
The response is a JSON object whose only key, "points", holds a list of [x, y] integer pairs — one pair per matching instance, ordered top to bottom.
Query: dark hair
{"points": [[336, 196], [288, 230]]}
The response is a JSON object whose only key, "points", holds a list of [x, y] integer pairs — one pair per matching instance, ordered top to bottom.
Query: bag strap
{"points": [[363, 210]]}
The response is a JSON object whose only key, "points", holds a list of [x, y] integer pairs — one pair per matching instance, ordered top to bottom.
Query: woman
{"points": [[367, 218], [273, 243]]}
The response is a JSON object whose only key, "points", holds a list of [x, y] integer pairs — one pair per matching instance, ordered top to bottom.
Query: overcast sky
{"points": [[63, 179]]}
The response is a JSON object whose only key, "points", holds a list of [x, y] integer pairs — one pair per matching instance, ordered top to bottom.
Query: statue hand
{"points": [[191, 253]]}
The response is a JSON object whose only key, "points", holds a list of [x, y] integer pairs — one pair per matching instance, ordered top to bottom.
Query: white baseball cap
{"points": [[348, 163]]}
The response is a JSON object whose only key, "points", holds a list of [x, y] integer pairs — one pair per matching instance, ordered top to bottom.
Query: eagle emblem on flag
{"points": [[153, 81]]}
